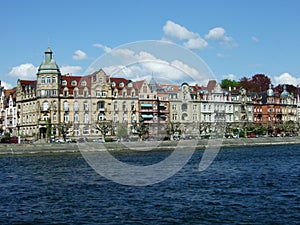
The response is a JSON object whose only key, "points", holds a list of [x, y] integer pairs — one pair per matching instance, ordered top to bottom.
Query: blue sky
{"points": [[235, 38]]}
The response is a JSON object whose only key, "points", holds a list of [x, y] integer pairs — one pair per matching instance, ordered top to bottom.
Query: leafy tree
{"points": [[226, 83], [258, 83], [140, 129], [122, 131]]}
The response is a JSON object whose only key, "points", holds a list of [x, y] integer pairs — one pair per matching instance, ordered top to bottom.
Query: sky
{"points": [[235, 38]]}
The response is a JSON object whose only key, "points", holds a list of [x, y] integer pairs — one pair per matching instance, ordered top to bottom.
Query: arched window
{"points": [[66, 106], [101, 116]]}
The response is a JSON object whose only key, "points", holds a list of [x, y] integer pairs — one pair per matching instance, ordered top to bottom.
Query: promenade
{"points": [[49, 148]]}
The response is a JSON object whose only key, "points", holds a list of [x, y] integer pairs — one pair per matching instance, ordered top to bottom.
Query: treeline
{"points": [[258, 83]]}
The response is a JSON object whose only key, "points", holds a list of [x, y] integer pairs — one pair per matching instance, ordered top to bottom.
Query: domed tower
{"points": [[48, 90], [284, 94]]}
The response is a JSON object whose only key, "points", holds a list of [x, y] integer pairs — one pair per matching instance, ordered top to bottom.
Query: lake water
{"points": [[249, 185]]}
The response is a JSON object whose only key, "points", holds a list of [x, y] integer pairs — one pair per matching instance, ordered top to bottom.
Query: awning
{"points": [[146, 105], [145, 116]]}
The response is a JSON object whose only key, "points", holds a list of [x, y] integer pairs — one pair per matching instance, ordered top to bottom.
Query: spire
{"points": [[48, 55], [270, 92]]}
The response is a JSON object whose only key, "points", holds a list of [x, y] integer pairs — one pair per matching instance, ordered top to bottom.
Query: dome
{"points": [[48, 66], [270, 91], [284, 94]]}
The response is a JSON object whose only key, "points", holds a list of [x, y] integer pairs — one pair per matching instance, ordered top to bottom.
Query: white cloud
{"points": [[175, 32], [218, 34], [196, 43], [105, 48], [79, 55], [144, 65], [70, 69], [24, 71], [229, 76], [286, 78], [6, 85]]}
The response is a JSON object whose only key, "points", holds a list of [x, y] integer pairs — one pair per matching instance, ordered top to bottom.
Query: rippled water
{"points": [[250, 185]]}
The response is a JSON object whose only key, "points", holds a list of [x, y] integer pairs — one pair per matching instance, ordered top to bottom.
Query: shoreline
{"points": [[54, 148]]}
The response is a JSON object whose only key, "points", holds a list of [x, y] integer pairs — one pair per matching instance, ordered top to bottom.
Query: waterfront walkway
{"points": [[47, 148]]}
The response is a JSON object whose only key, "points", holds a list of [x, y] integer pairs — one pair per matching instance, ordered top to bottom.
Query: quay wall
{"points": [[49, 148]]}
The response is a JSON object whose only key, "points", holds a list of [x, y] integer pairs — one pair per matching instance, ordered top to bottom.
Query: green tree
{"points": [[226, 83], [122, 131]]}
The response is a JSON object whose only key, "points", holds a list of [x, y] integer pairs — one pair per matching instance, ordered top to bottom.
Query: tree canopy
{"points": [[226, 83]]}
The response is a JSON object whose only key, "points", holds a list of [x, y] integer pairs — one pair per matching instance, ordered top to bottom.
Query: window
{"points": [[53, 79], [42, 80], [48, 80], [101, 80], [64, 82], [73, 82], [83, 82], [113, 84], [54, 92], [66, 92], [42, 93], [48, 93], [75, 93], [85, 93], [98, 93], [103, 94], [100, 105], [45, 106], [66, 106], [75, 106], [85, 106], [115, 106], [124, 106], [174, 107], [184, 107], [101, 116], [54, 117], [116, 117], [125, 117], [174, 117], [66, 118], [76, 118], [86, 118], [86, 130]]}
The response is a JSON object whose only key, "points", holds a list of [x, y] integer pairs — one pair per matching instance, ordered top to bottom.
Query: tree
{"points": [[261, 82], [226, 83], [258, 83], [104, 127], [64, 128], [140, 129], [173, 129], [122, 131]]}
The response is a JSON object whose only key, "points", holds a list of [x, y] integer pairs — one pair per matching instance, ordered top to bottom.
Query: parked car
{"points": [[98, 140], [60, 141]]}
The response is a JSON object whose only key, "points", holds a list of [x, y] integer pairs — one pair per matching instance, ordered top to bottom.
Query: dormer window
{"points": [[64, 82], [73, 82], [83, 83], [113, 84], [121, 84], [129, 85]]}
